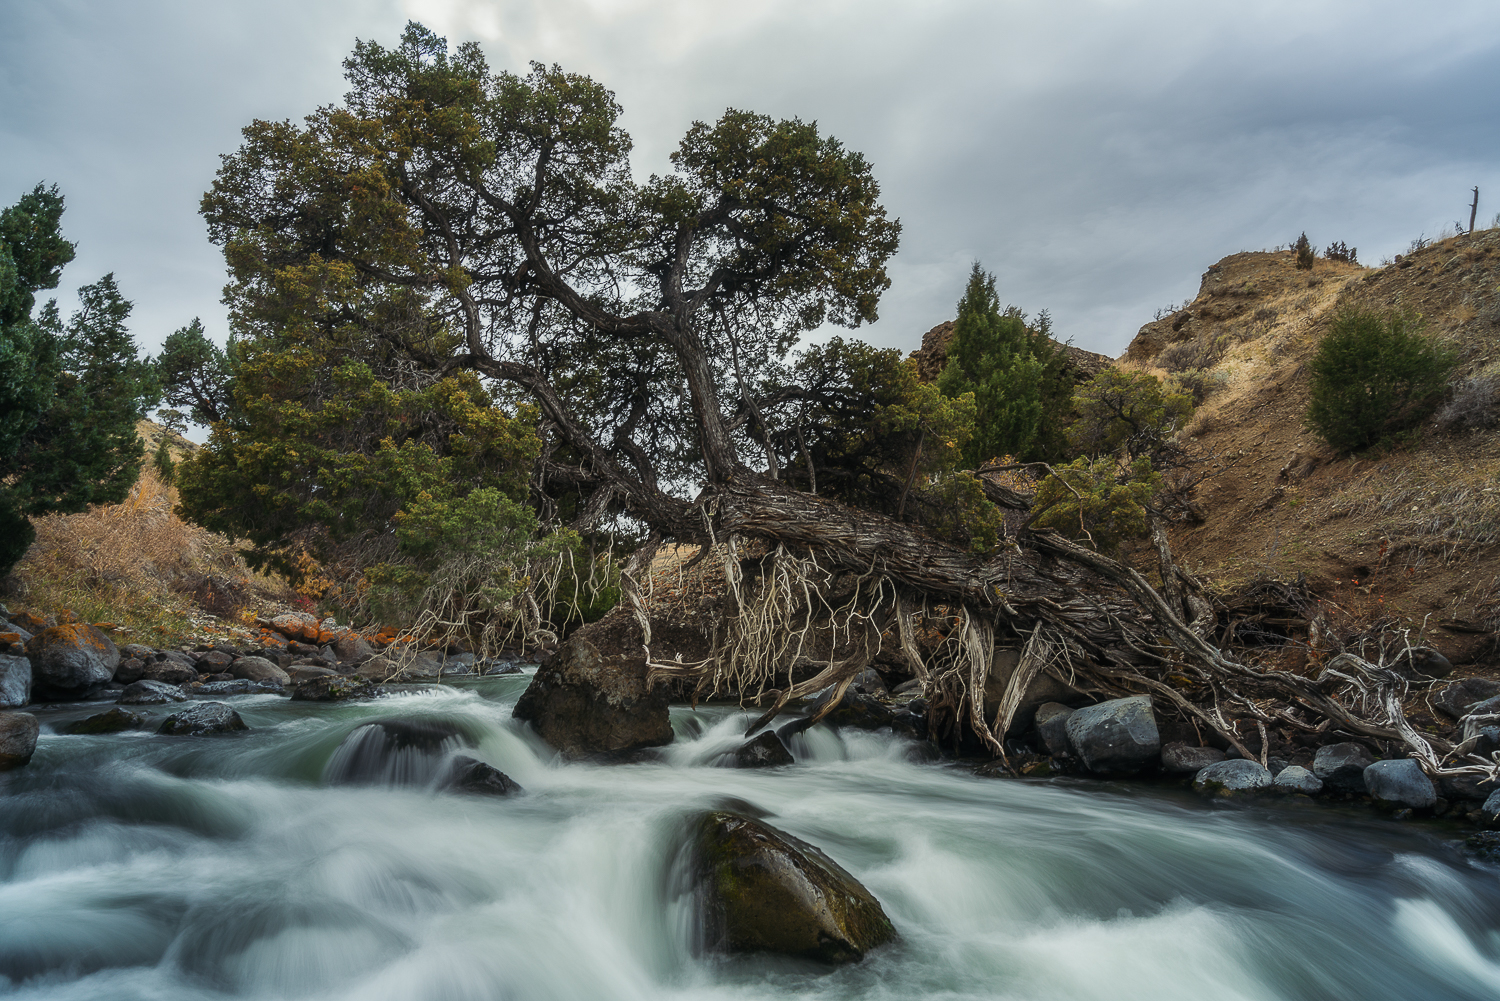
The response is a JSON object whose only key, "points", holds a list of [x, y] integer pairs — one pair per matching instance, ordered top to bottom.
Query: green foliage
{"points": [[1305, 253], [1015, 372], [195, 374], [1373, 378], [70, 395], [1129, 414], [164, 464], [1097, 501], [959, 512]]}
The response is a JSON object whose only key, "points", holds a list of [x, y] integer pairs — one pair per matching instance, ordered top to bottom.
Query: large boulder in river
{"points": [[71, 661], [259, 669], [15, 681], [333, 688], [150, 693], [591, 697], [203, 718], [116, 720], [18, 733], [1118, 737], [765, 750], [1178, 758], [1342, 767], [474, 776], [1233, 777], [1400, 784], [763, 890]]}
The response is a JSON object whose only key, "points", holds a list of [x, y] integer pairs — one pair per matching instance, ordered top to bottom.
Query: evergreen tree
{"points": [[1015, 371], [70, 395]]}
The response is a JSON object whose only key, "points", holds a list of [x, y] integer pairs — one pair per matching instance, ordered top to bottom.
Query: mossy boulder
{"points": [[763, 890]]}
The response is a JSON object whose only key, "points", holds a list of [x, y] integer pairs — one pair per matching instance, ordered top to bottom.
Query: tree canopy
{"points": [[70, 393]]}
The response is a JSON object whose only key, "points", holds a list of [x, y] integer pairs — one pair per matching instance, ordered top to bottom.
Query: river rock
{"points": [[351, 648], [139, 651], [71, 661], [1422, 662], [259, 669], [131, 670], [169, 672], [299, 673], [15, 681], [869, 682], [230, 686], [1045, 687], [333, 688], [150, 693], [1455, 699], [584, 703], [859, 712], [201, 719], [116, 720], [910, 724], [1052, 727], [18, 733], [1118, 737], [402, 751], [764, 751], [1179, 758], [1342, 767], [474, 776], [1236, 776], [1296, 779], [1400, 783], [1471, 787], [1489, 812], [762, 890]]}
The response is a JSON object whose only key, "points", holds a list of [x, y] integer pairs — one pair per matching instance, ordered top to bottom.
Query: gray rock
{"points": [[350, 648], [138, 651], [71, 661], [213, 661], [1422, 662], [500, 667], [453, 668], [131, 669], [259, 669], [169, 672], [306, 672], [15, 681], [868, 682], [913, 685], [238, 686], [1045, 687], [333, 688], [150, 693], [1455, 699], [1485, 707], [861, 712], [203, 718], [115, 720], [1052, 727], [18, 733], [1118, 737], [765, 750], [1182, 759], [1277, 765], [1342, 767], [474, 776], [1228, 778], [1296, 779], [1400, 783], [1469, 787], [1490, 811], [762, 890]]}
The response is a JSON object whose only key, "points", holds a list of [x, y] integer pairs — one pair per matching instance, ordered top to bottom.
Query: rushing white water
{"points": [[265, 865]]}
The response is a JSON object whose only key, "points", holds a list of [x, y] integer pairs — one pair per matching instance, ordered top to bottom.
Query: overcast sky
{"points": [[1097, 155]]}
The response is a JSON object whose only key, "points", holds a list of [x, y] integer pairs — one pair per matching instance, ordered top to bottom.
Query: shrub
{"points": [[1304, 252], [1340, 252], [1203, 351], [1373, 377], [1475, 404], [1130, 414], [1100, 501]]}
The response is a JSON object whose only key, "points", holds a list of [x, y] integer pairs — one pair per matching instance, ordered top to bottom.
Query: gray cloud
{"points": [[1097, 156]]}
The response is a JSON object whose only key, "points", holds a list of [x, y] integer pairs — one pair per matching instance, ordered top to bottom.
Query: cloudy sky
{"points": [[1097, 155]]}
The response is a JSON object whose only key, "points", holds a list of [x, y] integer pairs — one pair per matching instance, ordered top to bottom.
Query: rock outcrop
{"points": [[71, 661], [585, 702], [202, 719], [1118, 737], [762, 890]]}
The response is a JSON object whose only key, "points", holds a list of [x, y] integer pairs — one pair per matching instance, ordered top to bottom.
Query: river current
{"points": [[134, 866]]}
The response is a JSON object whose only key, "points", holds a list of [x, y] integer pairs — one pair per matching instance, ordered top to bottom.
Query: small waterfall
{"points": [[394, 752]]}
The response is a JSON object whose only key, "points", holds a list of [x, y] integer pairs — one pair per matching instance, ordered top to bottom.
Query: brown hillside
{"points": [[1414, 530]]}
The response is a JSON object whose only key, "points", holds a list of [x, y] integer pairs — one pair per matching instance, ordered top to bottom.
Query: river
{"points": [[134, 866]]}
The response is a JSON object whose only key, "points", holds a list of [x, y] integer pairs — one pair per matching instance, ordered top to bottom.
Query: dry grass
{"points": [[1443, 513], [135, 564]]}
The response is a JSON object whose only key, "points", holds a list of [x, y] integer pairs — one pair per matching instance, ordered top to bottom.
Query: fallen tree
{"points": [[448, 220]]}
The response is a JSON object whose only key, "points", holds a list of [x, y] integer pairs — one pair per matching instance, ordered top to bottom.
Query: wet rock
{"points": [[351, 648], [70, 661], [214, 661], [501, 667], [131, 669], [259, 669], [169, 672], [306, 672], [15, 681], [868, 682], [914, 685], [230, 686], [333, 688], [150, 693], [1455, 699], [584, 703], [860, 712], [202, 719], [116, 720], [910, 724], [1052, 727], [18, 733], [1118, 737], [765, 750], [395, 752], [1179, 758], [1277, 765], [1342, 767], [474, 776], [1228, 778], [1296, 779], [1400, 783], [1471, 787], [1489, 813], [1484, 845], [762, 890]]}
